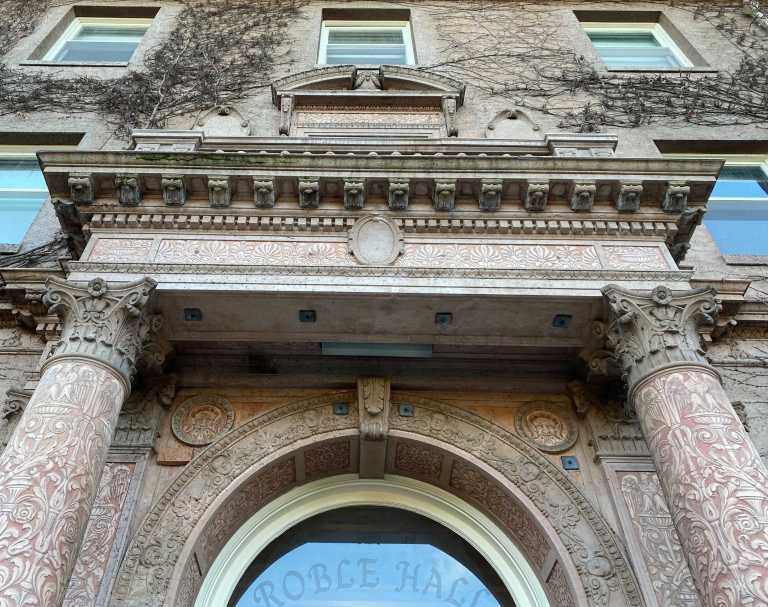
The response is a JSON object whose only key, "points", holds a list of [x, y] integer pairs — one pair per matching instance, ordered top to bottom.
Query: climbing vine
{"points": [[219, 52]]}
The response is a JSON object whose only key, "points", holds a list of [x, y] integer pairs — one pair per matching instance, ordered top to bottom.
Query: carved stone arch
{"points": [[567, 542]]}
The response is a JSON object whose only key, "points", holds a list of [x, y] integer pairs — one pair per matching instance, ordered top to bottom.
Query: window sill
{"points": [[74, 63], [658, 70], [746, 260]]}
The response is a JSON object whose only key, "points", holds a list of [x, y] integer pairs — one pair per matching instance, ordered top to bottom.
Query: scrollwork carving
{"points": [[81, 188], [129, 189], [174, 190], [219, 192], [309, 193], [490, 194], [264, 195], [354, 195], [397, 195], [535, 196], [628, 197], [676, 197], [444, 198]]}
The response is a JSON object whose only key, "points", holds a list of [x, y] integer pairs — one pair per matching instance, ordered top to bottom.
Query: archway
{"points": [[565, 542]]}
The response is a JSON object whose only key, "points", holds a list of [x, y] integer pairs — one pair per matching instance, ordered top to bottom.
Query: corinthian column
{"points": [[50, 470], [715, 483]]}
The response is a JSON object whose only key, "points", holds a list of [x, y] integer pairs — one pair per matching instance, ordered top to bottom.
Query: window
{"points": [[99, 39], [366, 43], [635, 46], [22, 192]]}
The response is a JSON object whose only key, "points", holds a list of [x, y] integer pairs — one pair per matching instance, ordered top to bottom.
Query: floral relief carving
{"points": [[121, 249], [200, 420], [548, 428], [328, 458], [418, 461], [49, 475], [714, 480], [100, 534], [657, 537], [557, 588]]}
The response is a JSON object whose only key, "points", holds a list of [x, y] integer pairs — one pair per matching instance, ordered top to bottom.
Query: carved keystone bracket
{"points": [[286, 111], [449, 111], [81, 188], [129, 189], [174, 191], [219, 191], [309, 193], [354, 194], [490, 194], [264, 195], [397, 196], [535, 196], [583, 196], [628, 197], [444, 198], [676, 198], [103, 323], [650, 331], [374, 405]]}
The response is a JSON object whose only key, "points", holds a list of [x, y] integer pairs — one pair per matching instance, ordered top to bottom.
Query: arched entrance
{"points": [[559, 538], [412, 578]]}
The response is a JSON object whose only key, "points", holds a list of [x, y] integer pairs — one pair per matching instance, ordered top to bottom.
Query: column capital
{"points": [[108, 324], [651, 331]]}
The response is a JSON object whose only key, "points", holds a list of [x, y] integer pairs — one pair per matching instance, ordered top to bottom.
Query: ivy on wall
{"points": [[512, 50], [219, 52]]}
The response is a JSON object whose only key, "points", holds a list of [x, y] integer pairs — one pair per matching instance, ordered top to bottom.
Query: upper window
{"points": [[99, 39], [366, 43], [635, 46], [22, 192]]}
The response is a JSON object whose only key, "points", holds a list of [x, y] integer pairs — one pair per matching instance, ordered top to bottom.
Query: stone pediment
{"points": [[345, 100]]}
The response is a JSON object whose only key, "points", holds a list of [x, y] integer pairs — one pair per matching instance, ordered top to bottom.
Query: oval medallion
{"points": [[375, 241], [200, 420], [550, 429]]}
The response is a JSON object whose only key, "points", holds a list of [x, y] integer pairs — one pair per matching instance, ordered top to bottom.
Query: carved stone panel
{"points": [[375, 241], [200, 420], [550, 429]]}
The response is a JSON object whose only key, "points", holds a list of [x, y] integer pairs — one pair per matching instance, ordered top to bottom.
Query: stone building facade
{"points": [[498, 285]]}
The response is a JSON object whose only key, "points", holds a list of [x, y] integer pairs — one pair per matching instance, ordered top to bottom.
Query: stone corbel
{"points": [[449, 112], [286, 113], [81, 188], [129, 189], [174, 190], [219, 192], [309, 192], [354, 194], [490, 194], [397, 195], [264, 196], [535, 196], [583, 196], [628, 197], [676, 197], [444, 198], [72, 224], [374, 404]]}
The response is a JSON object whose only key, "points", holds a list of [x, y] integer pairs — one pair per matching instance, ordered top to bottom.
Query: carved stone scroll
{"points": [[449, 111], [286, 112], [81, 188], [129, 189], [174, 191], [219, 192], [309, 193], [354, 194], [490, 194], [264, 195], [397, 195], [535, 196], [583, 196], [628, 197], [676, 197], [444, 198], [374, 406], [716, 484]]}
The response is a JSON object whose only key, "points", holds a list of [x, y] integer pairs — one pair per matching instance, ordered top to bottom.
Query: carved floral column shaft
{"points": [[50, 470], [715, 483]]}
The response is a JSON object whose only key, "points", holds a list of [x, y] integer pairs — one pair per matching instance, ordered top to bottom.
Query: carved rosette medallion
{"points": [[375, 241], [200, 420], [548, 428]]}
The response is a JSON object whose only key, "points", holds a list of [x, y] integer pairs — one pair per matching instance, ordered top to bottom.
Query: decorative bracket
{"points": [[81, 188], [129, 189], [174, 191], [219, 192], [264, 193], [309, 193], [354, 194], [490, 194], [397, 195], [535, 196], [583, 196], [628, 197], [676, 197], [444, 198], [374, 404]]}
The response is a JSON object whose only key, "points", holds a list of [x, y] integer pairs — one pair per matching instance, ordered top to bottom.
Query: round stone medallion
{"points": [[375, 241], [200, 420], [549, 428]]}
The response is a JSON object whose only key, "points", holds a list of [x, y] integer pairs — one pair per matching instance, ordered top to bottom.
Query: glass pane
{"points": [[107, 34], [353, 36], [624, 39], [96, 51], [340, 54], [632, 57], [21, 174], [741, 182], [17, 211], [739, 227]]}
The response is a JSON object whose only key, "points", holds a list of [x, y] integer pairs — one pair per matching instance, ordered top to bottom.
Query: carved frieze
{"points": [[81, 188], [129, 189], [174, 190], [219, 192], [309, 193], [264, 194], [354, 194], [490, 194], [397, 195], [444, 196], [535, 196], [583, 196], [628, 197], [676, 197], [375, 241], [200, 420], [138, 424], [549, 428]]}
